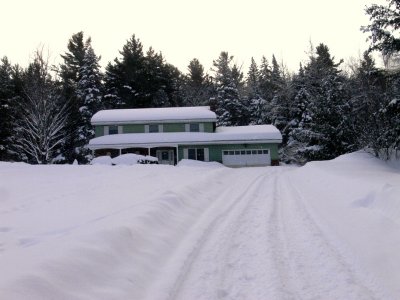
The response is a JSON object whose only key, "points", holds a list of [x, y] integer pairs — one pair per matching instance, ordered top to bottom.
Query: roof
{"points": [[164, 114], [223, 135]]}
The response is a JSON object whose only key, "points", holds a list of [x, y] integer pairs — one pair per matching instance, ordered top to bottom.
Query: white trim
{"points": [[187, 127], [201, 127], [146, 128], [160, 128], [120, 129], [106, 130], [185, 153], [206, 154]]}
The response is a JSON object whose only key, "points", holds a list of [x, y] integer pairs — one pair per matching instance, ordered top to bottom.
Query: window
{"points": [[194, 127], [153, 128], [113, 129], [245, 152], [192, 153], [196, 154], [200, 154], [164, 155]]}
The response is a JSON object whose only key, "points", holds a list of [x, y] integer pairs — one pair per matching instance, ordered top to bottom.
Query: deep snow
{"points": [[328, 230]]}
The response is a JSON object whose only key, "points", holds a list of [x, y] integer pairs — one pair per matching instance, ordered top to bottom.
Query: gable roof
{"points": [[155, 115], [223, 135]]}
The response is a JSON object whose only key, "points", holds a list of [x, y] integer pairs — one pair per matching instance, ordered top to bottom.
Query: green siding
{"points": [[174, 127], [208, 127], [133, 128], [139, 128], [99, 131], [215, 151]]}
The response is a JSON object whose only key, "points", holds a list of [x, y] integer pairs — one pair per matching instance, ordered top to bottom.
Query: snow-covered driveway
{"points": [[195, 232], [259, 242]]}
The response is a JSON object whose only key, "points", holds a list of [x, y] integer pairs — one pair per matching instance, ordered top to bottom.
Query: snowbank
{"points": [[128, 159], [199, 164], [356, 198]]}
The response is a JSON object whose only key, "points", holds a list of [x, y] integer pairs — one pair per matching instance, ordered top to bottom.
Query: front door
{"points": [[165, 157]]}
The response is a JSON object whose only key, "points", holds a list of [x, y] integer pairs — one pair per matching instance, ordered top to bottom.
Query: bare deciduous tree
{"points": [[41, 117]]}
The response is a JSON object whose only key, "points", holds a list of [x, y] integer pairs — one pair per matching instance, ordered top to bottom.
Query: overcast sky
{"points": [[186, 29]]}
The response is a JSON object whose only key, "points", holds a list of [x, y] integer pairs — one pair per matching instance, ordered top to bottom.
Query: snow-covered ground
{"points": [[328, 230]]}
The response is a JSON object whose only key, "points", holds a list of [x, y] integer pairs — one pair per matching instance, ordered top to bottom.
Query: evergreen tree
{"points": [[383, 30], [384, 36], [70, 76], [124, 79], [137, 80], [265, 81], [196, 85], [367, 87], [7, 93], [89, 93], [229, 105], [258, 108], [324, 130], [388, 141]]}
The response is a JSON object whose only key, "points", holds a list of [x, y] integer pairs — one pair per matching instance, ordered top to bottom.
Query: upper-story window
{"points": [[194, 127], [153, 128], [113, 129]]}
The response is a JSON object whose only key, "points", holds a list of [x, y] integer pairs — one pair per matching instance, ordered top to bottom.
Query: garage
{"points": [[246, 157]]}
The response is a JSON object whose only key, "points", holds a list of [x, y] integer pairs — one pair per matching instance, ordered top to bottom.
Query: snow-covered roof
{"points": [[164, 114], [223, 135]]}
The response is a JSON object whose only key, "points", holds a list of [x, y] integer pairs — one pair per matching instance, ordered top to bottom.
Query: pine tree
{"points": [[385, 22], [70, 75], [124, 79], [137, 80], [196, 85], [367, 87], [89, 93], [6, 95], [230, 107], [258, 108], [324, 130]]}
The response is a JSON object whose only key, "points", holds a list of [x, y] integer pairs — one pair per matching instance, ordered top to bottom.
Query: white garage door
{"points": [[246, 157]]}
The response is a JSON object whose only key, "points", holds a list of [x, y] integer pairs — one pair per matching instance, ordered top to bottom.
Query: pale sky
{"points": [[186, 29]]}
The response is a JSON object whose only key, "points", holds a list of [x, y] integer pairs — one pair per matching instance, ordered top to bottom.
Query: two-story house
{"points": [[174, 133]]}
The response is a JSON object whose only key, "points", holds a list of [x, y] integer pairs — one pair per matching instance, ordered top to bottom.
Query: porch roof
{"points": [[223, 135]]}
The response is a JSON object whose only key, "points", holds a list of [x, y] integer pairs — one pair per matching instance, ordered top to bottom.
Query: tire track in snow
{"points": [[205, 232], [258, 241], [321, 271]]}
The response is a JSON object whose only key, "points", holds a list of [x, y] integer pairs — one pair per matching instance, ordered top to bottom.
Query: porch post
{"points": [[120, 151], [148, 151], [177, 154]]}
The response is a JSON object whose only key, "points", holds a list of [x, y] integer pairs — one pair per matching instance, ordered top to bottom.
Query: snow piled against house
{"points": [[127, 159], [110, 232]]}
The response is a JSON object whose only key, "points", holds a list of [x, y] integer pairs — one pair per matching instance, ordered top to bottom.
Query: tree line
{"points": [[321, 110]]}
